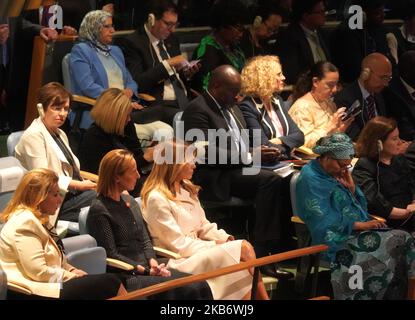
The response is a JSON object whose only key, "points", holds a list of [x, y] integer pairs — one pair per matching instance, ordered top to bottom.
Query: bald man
{"points": [[375, 75], [216, 110]]}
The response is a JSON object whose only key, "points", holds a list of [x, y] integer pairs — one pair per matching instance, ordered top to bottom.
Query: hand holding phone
{"points": [[353, 111]]}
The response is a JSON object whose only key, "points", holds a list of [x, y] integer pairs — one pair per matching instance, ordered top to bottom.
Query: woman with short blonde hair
{"points": [[263, 109], [111, 111], [112, 129]]}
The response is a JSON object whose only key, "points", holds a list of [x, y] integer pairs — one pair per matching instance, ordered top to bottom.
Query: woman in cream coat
{"points": [[44, 145], [177, 222], [29, 254]]}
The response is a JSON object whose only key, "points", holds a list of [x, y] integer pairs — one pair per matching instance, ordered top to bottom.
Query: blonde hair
{"points": [[259, 76], [111, 111], [115, 163], [164, 175], [31, 192]]}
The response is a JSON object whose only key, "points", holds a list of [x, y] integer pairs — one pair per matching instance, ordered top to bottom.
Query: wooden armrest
{"points": [[146, 97], [83, 99], [89, 176], [377, 218], [297, 219], [166, 253], [119, 264], [171, 284], [18, 288], [320, 298]]}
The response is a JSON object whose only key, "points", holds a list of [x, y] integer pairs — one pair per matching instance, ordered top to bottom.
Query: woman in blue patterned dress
{"points": [[335, 212]]}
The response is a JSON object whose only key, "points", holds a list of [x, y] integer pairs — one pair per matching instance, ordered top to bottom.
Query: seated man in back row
{"points": [[153, 56], [215, 109]]}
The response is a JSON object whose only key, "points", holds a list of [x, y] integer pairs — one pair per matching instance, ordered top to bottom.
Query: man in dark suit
{"points": [[302, 44], [16, 56], [153, 57], [367, 89], [400, 96], [215, 111]]}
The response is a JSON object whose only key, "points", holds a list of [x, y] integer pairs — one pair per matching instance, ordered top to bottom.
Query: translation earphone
{"points": [[151, 20], [257, 22], [365, 74], [40, 110], [380, 146]]}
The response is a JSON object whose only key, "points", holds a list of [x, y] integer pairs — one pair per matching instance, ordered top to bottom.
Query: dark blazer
{"points": [[349, 47], [295, 53], [143, 64], [347, 96], [401, 107], [203, 114], [259, 119], [385, 186], [123, 236]]}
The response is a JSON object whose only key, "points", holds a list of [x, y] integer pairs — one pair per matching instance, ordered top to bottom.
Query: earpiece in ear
{"points": [[151, 20], [257, 22], [365, 74], [40, 110], [380, 146]]}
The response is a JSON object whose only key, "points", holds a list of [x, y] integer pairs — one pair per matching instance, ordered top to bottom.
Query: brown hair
{"points": [[53, 94], [376, 129], [115, 163], [31, 192]]}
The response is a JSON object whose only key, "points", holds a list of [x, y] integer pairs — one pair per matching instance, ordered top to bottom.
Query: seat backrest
{"points": [[66, 72], [176, 119], [12, 140], [11, 172], [293, 183], [83, 216], [83, 253]]}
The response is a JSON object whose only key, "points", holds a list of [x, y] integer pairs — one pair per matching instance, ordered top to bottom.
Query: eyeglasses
{"points": [[322, 12], [170, 25], [108, 26], [271, 30], [385, 78], [59, 109], [343, 165]]}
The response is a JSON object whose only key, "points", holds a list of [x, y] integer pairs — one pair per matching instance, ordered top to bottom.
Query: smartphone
{"points": [[192, 63], [40, 110], [354, 110]]}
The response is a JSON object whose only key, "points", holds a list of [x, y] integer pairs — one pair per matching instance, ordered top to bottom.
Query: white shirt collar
{"points": [[154, 41], [365, 93]]}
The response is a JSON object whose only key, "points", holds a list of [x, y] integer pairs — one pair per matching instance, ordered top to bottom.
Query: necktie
{"points": [[45, 16], [319, 52], [177, 85], [370, 107], [234, 130]]}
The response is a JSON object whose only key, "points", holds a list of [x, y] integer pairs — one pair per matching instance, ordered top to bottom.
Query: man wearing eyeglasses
{"points": [[302, 44], [154, 59], [376, 73]]}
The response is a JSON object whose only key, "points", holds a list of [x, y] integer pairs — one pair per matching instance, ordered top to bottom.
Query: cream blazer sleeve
{"points": [[302, 112], [165, 230], [210, 231], [34, 256]]}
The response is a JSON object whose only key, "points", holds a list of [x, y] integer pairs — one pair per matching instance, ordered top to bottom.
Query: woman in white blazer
{"points": [[44, 145], [177, 222], [29, 253]]}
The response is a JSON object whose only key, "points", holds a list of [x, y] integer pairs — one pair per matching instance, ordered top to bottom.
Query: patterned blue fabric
{"points": [[386, 258]]}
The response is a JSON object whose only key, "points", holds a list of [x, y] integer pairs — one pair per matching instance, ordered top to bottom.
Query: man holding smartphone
{"points": [[153, 56]]}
